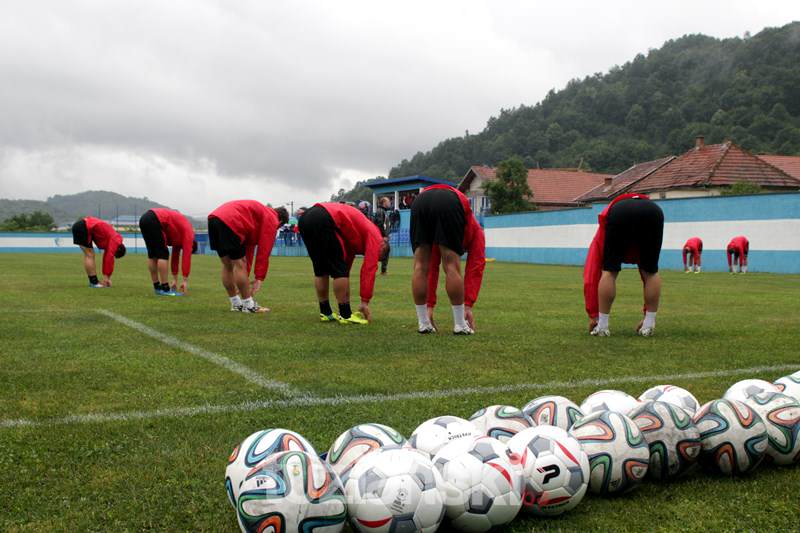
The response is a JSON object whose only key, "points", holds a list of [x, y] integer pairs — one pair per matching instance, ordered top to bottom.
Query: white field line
{"points": [[219, 360], [310, 401]]}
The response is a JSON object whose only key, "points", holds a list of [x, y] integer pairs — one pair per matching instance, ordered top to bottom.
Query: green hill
{"points": [[745, 89]]}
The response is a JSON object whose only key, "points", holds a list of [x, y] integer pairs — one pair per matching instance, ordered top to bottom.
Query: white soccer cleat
{"points": [[426, 329], [463, 330], [600, 332], [647, 332]]}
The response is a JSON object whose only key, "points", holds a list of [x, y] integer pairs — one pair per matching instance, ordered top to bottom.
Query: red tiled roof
{"points": [[788, 163], [622, 182], [549, 185]]}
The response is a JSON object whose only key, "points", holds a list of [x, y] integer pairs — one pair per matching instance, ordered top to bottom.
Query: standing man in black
{"points": [[383, 219]]}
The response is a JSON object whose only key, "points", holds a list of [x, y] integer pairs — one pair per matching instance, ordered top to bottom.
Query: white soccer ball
{"points": [[789, 385], [742, 390], [672, 394], [609, 400], [553, 411], [781, 415], [500, 421], [433, 434], [734, 437], [673, 438], [358, 441], [254, 449], [618, 454], [555, 469], [483, 485], [395, 490], [291, 491]]}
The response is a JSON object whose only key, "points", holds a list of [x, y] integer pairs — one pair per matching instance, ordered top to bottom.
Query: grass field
{"points": [[104, 427]]}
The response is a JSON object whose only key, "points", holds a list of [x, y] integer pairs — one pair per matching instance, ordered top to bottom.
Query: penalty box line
{"points": [[219, 360], [311, 401]]}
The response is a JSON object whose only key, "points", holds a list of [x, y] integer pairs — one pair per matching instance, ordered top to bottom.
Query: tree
{"points": [[743, 187], [509, 192], [36, 221]]}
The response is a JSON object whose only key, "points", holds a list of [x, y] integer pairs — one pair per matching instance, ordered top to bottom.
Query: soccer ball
{"points": [[789, 385], [742, 390], [674, 395], [609, 400], [553, 411], [781, 415], [500, 421], [433, 434], [672, 436], [734, 437], [358, 441], [255, 449], [618, 454], [555, 469], [483, 483], [395, 490], [291, 491]]}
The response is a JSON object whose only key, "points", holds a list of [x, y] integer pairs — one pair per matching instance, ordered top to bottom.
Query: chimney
{"points": [[699, 142], [607, 182]]}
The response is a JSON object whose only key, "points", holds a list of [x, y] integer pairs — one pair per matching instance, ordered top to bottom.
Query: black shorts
{"points": [[437, 217], [633, 224], [80, 234], [153, 236], [222, 239], [322, 242]]}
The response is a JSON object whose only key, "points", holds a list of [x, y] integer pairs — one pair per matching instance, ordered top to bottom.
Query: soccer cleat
{"points": [[96, 286], [171, 293], [237, 308], [256, 309], [333, 317], [355, 318], [426, 330], [465, 330], [600, 332], [647, 332]]}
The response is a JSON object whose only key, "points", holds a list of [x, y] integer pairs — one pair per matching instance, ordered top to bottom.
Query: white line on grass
{"points": [[237, 368], [310, 401]]}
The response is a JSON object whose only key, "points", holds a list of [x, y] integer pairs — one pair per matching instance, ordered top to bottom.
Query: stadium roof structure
{"points": [[788, 163], [551, 187]]}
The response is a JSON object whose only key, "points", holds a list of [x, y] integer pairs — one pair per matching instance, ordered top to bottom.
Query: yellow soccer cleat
{"points": [[333, 317], [355, 318]]}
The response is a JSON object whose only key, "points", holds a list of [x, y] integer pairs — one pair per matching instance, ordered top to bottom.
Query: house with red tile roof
{"points": [[788, 163], [705, 170], [553, 188]]}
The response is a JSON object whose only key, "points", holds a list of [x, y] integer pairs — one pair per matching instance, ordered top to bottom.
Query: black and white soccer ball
{"points": [[742, 390], [672, 394], [609, 400], [500, 421], [432, 435]]}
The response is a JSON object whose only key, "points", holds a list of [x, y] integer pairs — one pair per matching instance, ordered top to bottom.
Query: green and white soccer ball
{"points": [[790, 385], [742, 390], [672, 394], [609, 400], [553, 411], [781, 415], [500, 422], [432, 435], [733, 436], [673, 439], [356, 442], [254, 449], [618, 453], [555, 469], [482, 482], [393, 490], [291, 491]]}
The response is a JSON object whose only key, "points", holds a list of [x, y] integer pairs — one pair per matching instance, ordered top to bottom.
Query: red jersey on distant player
{"points": [[256, 225], [179, 234], [358, 236], [106, 238], [475, 246], [739, 246], [593, 268]]}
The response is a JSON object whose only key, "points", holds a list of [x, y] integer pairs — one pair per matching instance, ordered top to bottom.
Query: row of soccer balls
{"points": [[479, 473]]}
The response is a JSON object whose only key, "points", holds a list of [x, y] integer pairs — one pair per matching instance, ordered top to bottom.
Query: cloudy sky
{"points": [[196, 102]]}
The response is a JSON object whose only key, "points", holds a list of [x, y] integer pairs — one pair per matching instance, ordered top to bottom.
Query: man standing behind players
{"points": [[382, 219], [161, 228], [442, 229], [88, 230], [234, 230], [631, 231], [334, 234], [738, 249], [692, 251]]}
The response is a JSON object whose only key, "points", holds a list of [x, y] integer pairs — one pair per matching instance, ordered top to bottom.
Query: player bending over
{"points": [[161, 228], [442, 229], [89, 230], [234, 230], [631, 230], [334, 234], [738, 249], [692, 251]]}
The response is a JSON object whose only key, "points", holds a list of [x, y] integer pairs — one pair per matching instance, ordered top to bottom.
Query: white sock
{"points": [[744, 269], [236, 301], [248, 303], [422, 316], [458, 316], [649, 320], [602, 321]]}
